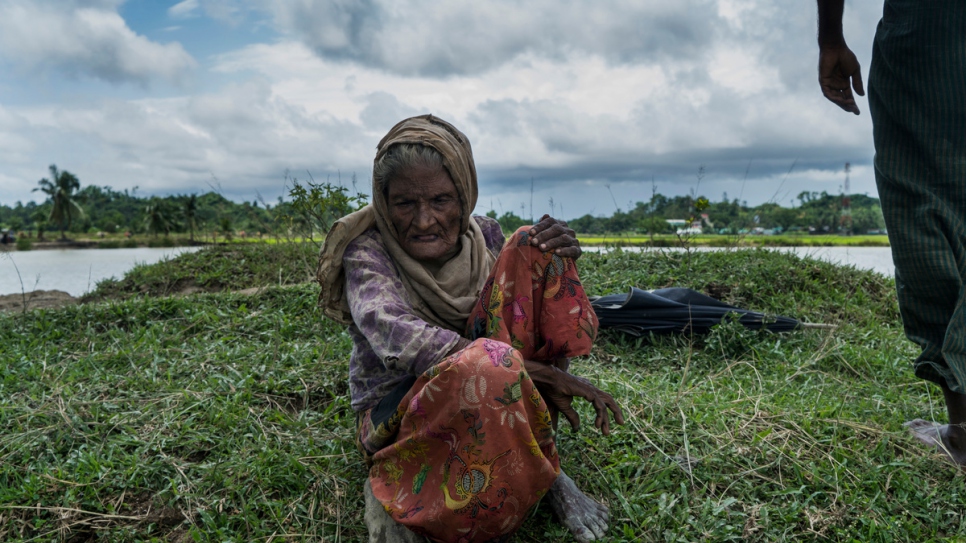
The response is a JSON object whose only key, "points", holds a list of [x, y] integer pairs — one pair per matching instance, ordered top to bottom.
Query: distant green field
{"points": [[668, 240]]}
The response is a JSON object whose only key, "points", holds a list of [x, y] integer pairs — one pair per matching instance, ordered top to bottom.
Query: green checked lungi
{"points": [[917, 98]]}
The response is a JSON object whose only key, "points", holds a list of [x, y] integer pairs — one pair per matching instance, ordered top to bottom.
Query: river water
{"points": [[877, 259], [75, 271]]}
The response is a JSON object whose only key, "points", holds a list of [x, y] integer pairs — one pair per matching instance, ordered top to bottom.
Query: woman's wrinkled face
{"points": [[424, 207]]}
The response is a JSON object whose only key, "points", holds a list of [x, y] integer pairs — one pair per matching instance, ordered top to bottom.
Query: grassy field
{"points": [[223, 416]]}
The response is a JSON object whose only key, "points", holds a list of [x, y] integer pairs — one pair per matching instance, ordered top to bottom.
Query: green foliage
{"points": [[60, 189], [316, 206], [313, 207], [113, 211], [189, 211], [819, 211], [158, 217], [509, 221], [15, 223], [226, 230], [162, 242], [24, 244], [225, 416]]}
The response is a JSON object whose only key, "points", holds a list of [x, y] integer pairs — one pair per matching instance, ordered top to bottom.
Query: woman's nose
{"points": [[424, 216]]}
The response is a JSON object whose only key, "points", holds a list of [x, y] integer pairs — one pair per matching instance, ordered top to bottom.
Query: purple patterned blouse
{"points": [[389, 341]]}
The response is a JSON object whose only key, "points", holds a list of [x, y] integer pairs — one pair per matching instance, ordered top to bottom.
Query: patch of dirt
{"points": [[37, 299], [144, 506]]}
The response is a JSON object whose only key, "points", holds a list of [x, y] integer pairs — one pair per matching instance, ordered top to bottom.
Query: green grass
{"points": [[216, 268], [224, 416]]}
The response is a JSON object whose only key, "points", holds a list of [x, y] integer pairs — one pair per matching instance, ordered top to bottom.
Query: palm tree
{"points": [[60, 189], [190, 212], [156, 217], [40, 223]]}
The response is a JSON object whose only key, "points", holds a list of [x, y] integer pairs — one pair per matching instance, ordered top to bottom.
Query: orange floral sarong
{"points": [[469, 449]]}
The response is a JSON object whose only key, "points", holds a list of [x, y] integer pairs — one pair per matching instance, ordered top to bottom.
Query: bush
{"points": [[161, 242], [24, 244], [109, 244], [129, 244]]}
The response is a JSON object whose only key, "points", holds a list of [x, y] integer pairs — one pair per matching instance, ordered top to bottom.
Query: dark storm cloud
{"points": [[455, 38]]}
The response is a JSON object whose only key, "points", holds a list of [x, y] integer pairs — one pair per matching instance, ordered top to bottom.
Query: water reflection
{"points": [[877, 259], [75, 271]]}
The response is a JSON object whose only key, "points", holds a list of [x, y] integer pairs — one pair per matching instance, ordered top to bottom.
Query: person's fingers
{"points": [[839, 73], [857, 83], [840, 99], [849, 99], [545, 222], [556, 233], [551, 237], [558, 242], [562, 242], [569, 252], [563, 401], [615, 409], [572, 417], [602, 422]]}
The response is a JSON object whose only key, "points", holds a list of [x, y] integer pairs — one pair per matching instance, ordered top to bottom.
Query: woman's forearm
{"points": [[542, 373]]}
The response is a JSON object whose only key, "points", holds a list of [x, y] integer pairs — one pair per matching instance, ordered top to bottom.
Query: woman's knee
{"points": [[492, 356]]}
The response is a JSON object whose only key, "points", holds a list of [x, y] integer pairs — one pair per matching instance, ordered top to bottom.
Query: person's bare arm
{"points": [[838, 69]]}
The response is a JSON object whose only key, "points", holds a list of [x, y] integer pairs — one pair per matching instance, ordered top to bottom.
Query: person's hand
{"points": [[838, 73], [552, 235], [558, 388]]}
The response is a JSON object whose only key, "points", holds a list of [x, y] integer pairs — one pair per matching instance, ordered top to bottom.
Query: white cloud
{"points": [[187, 8], [439, 39], [85, 41], [577, 96]]}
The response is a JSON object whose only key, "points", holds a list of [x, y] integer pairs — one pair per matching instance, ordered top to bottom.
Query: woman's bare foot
{"points": [[947, 438], [585, 518], [382, 528]]}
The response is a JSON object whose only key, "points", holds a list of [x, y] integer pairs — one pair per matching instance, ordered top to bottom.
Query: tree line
{"points": [[70, 208], [816, 212]]}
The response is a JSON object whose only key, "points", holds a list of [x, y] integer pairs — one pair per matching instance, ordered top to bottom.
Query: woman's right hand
{"points": [[558, 388]]}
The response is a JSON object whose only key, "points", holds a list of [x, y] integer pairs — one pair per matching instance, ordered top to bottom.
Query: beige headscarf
{"points": [[446, 297]]}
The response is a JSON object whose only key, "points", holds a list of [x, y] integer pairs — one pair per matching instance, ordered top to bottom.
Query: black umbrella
{"points": [[669, 310]]}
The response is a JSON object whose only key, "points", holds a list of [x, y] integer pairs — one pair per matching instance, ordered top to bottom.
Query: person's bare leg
{"points": [[950, 438], [582, 515], [382, 528]]}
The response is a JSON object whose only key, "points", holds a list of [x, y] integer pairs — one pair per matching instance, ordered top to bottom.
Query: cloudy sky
{"points": [[596, 104]]}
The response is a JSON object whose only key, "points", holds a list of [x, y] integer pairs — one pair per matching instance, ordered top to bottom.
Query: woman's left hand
{"points": [[552, 235], [559, 388]]}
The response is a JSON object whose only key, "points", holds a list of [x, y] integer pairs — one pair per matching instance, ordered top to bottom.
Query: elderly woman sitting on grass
{"points": [[461, 349]]}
